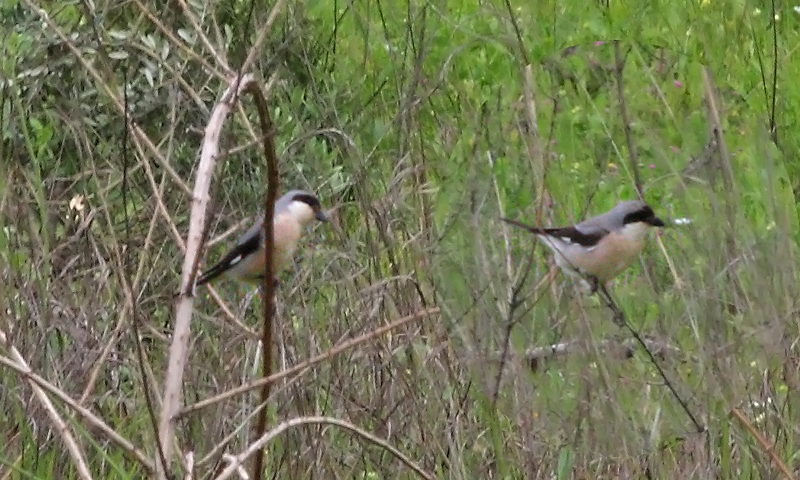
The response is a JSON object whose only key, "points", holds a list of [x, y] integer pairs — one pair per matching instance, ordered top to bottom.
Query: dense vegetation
{"points": [[419, 124]]}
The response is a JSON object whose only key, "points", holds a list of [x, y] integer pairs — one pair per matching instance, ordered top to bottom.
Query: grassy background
{"points": [[409, 120]]}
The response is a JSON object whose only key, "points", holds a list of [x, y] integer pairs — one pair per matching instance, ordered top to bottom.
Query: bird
{"points": [[599, 248], [246, 262]]}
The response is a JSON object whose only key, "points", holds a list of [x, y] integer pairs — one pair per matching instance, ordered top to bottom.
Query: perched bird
{"points": [[601, 247], [247, 261]]}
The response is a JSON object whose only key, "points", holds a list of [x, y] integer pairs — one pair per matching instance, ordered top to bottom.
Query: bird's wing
{"points": [[252, 232], [575, 235], [587, 237], [248, 243]]}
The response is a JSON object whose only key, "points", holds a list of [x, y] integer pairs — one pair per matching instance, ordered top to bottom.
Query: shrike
{"points": [[601, 247], [247, 261]]}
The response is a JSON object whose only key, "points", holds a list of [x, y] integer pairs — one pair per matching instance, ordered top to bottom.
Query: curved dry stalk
{"points": [[167, 32], [262, 36], [203, 38], [535, 150], [633, 153], [161, 208], [677, 280], [268, 282], [228, 313], [621, 321], [344, 346], [179, 348], [100, 363], [20, 365], [92, 419], [296, 422], [235, 432], [763, 443]]}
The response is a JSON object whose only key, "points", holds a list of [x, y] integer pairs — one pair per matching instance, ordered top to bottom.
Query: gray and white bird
{"points": [[599, 248], [246, 262]]}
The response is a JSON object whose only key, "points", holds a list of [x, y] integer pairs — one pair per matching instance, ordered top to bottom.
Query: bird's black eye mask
{"points": [[310, 200], [645, 215]]}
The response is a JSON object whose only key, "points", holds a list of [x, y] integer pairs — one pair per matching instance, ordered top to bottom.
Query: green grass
{"points": [[410, 119]]}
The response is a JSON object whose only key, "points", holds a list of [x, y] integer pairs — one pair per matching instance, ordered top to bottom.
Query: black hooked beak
{"points": [[320, 215], [655, 221]]}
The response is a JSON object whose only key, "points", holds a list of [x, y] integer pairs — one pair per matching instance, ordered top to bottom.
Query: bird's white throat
{"points": [[301, 211], [636, 231]]}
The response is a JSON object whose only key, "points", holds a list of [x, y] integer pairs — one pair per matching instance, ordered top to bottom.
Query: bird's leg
{"points": [[587, 280], [594, 283], [275, 284], [597, 287]]}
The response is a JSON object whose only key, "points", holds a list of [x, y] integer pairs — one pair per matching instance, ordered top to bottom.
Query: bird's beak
{"points": [[320, 215], [656, 222]]}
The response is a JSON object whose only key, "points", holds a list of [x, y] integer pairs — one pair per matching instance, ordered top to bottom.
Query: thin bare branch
{"points": [[344, 346], [179, 349], [20, 365], [269, 436]]}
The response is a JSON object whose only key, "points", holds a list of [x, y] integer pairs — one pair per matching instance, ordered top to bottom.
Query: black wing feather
{"points": [[571, 233], [241, 250]]}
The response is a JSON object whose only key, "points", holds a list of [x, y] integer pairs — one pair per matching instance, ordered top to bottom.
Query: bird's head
{"points": [[301, 205], [639, 212]]}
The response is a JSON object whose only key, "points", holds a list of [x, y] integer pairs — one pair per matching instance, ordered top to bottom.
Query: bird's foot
{"points": [[275, 284], [594, 284], [598, 288]]}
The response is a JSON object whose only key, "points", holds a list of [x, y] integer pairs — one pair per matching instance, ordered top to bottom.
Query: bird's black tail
{"points": [[529, 228], [210, 274]]}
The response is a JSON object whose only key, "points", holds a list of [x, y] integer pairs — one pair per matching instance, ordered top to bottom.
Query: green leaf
{"points": [[119, 34], [187, 36]]}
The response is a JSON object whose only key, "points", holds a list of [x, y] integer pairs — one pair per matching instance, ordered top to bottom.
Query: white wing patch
{"points": [[235, 260]]}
